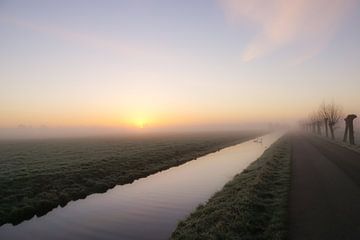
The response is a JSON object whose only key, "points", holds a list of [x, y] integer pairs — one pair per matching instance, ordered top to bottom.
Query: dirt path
{"points": [[325, 191]]}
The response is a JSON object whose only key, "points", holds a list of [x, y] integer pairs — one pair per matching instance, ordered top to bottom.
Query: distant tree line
{"points": [[327, 117]]}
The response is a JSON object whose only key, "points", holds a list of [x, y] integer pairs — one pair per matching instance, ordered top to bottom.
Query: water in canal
{"points": [[148, 208]]}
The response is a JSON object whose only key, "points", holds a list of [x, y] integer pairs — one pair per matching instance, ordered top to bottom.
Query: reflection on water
{"points": [[150, 207]]}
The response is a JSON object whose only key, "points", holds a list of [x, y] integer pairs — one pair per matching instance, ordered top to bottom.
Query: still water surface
{"points": [[148, 208]]}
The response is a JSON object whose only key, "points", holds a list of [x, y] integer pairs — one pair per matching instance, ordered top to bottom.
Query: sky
{"points": [[153, 64]]}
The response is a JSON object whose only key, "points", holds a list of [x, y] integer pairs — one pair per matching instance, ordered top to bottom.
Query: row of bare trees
{"points": [[329, 115]]}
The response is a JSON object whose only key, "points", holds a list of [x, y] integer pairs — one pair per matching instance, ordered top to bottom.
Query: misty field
{"points": [[38, 175]]}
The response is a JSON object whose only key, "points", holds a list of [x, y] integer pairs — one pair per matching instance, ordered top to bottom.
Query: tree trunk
{"points": [[318, 125], [326, 127], [350, 127], [346, 130], [332, 132], [351, 133]]}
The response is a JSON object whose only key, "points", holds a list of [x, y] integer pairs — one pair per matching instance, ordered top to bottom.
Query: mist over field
{"points": [[140, 65], [168, 119], [29, 132]]}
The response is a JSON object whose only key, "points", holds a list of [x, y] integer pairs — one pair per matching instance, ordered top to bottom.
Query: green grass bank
{"points": [[39, 175], [251, 206]]}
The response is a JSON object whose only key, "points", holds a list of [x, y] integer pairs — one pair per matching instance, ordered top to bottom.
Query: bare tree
{"points": [[332, 113], [324, 117], [315, 120], [312, 121], [318, 123]]}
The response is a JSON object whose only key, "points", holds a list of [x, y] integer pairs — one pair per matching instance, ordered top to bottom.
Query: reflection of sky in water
{"points": [[150, 207]]}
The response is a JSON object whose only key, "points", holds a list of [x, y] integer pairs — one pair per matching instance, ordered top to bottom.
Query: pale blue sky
{"points": [[110, 63]]}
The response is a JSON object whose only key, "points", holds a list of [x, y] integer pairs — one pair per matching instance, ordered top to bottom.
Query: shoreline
{"points": [[42, 193], [252, 205]]}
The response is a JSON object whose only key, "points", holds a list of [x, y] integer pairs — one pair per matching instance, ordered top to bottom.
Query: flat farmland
{"points": [[38, 175]]}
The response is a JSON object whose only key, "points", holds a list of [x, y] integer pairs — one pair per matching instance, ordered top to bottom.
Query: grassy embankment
{"points": [[347, 145], [37, 176], [251, 206]]}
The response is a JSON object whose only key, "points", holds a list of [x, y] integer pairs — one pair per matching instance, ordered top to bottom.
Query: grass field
{"points": [[38, 175], [251, 206]]}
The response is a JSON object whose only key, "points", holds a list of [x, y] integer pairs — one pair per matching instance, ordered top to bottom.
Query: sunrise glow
{"points": [[186, 71], [118, 118]]}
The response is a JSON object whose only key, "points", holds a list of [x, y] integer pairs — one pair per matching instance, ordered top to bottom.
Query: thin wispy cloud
{"points": [[308, 24], [79, 38]]}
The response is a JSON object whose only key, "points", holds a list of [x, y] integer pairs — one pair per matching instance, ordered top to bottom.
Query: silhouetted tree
{"points": [[333, 114], [323, 115], [315, 120], [318, 122], [311, 123], [349, 128]]}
